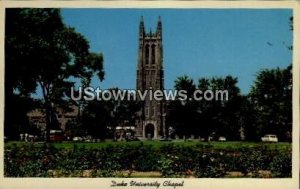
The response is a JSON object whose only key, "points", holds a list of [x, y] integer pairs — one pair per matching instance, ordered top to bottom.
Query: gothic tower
{"points": [[150, 77]]}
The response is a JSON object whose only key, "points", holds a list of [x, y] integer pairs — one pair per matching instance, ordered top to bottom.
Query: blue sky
{"points": [[197, 42]]}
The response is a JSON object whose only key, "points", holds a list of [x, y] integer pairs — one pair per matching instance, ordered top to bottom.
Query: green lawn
{"points": [[158, 144]]}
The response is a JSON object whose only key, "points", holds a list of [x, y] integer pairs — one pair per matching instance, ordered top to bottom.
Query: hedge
{"points": [[170, 160]]}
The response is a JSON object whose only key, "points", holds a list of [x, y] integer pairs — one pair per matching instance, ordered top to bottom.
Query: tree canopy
{"points": [[41, 51]]}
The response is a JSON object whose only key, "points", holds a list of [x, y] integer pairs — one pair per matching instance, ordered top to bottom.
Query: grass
{"points": [[158, 144]]}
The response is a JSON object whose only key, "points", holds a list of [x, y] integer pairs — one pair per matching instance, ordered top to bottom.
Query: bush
{"points": [[171, 160], [250, 162], [210, 165], [281, 166]]}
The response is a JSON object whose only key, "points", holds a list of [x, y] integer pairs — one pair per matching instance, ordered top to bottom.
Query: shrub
{"points": [[171, 160], [250, 162], [210, 165], [281, 166], [168, 167]]}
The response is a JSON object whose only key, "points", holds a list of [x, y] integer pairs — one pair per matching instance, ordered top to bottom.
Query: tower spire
{"points": [[142, 27], [159, 27]]}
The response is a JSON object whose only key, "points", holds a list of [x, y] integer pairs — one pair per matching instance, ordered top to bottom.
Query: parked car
{"points": [[56, 136], [132, 138], [269, 138], [77, 139], [88, 139], [165, 139], [222, 139]]}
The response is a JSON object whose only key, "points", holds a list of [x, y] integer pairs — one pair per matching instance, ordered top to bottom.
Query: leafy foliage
{"points": [[41, 51], [271, 96], [203, 118], [169, 160], [281, 165]]}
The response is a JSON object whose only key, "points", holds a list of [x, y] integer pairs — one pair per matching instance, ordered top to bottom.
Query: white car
{"points": [[222, 138], [269, 138], [77, 139]]}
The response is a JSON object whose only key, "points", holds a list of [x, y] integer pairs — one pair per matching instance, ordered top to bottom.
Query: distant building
{"points": [[37, 117], [123, 132]]}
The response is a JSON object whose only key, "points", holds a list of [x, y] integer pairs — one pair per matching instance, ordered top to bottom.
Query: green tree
{"points": [[291, 28], [41, 51], [271, 95], [126, 112], [182, 114], [97, 115], [220, 116], [95, 118], [203, 118], [247, 118], [16, 120]]}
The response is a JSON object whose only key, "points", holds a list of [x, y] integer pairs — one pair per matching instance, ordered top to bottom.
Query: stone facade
{"points": [[150, 76], [37, 117]]}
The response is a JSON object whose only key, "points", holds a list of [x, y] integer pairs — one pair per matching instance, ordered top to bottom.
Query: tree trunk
{"points": [[47, 107], [48, 120]]}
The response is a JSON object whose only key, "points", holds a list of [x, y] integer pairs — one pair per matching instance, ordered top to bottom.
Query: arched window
{"points": [[147, 54], [153, 54]]}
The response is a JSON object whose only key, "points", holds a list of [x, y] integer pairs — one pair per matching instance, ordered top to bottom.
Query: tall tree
{"points": [[42, 51], [271, 95], [182, 114], [97, 115], [220, 116], [202, 118]]}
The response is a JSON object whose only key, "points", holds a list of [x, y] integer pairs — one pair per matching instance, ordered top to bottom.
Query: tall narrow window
{"points": [[147, 54], [153, 54], [151, 109], [147, 111]]}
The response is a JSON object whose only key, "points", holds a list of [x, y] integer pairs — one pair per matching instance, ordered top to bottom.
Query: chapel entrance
{"points": [[149, 131]]}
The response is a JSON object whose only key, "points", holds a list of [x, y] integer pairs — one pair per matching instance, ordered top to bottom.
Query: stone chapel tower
{"points": [[150, 76]]}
